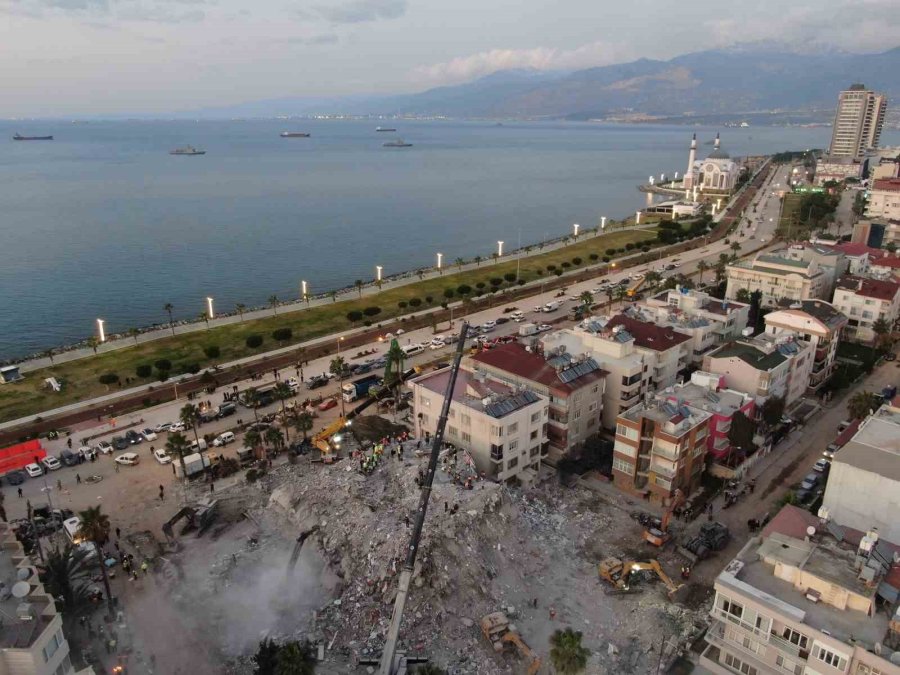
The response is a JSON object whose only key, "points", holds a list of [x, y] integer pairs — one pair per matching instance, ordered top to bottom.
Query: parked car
{"points": [[501, 320], [544, 327], [316, 381], [327, 404], [226, 409], [163, 426], [177, 427], [149, 435], [133, 437], [224, 439], [120, 443], [104, 447], [87, 452], [161, 456], [68, 457], [128, 458], [51, 463], [821, 465], [34, 470], [15, 477], [810, 482]]}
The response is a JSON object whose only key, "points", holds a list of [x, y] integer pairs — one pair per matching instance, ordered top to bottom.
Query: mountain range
{"points": [[702, 85]]}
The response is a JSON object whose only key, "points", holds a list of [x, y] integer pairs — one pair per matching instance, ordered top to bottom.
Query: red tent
{"points": [[17, 456]]}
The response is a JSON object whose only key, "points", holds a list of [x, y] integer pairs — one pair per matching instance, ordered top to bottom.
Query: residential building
{"points": [[857, 122], [887, 167], [837, 169], [884, 199], [858, 255], [829, 260], [887, 267], [777, 278], [864, 301], [709, 321], [816, 322], [638, 355], [764, 366], [573, 383], [707, 391], [503, 429], [660, 448], [863, 489], [804, 598], [32, 641]]}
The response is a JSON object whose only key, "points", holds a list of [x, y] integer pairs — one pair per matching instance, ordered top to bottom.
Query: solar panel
{"points": [[622, 336], [576, 371], [712, 396], [508, 405], [670, 409], [685, 411], [836, 530]]}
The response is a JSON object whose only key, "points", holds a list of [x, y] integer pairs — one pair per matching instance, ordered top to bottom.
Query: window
{"points": [[595, 388], [425, 401], [592, 406], [452, 414], [577, 414], [536, 417], [424, 418], [465, 420], [512, 428], [453, 431], [496, 431], [627, 432], [534, 434], [466, 438], [513, 445], [625, 449], [534, 451], [496, 452], [513, 463], [623, 466], [731, 607], [738, 637], [795, 638], [52, 645], [829, 657], [788, 665], [739, 666], [65, 667], [863, 669]]}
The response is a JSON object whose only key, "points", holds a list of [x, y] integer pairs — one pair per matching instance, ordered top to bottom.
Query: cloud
{"points": [[158, 11], [361, 11], [314, 40], [465, 68]]}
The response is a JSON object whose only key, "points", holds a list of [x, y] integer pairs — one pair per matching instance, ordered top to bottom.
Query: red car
{"points": [[328, 404]]}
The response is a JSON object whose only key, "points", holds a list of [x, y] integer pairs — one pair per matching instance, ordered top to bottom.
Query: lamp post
{"points": [[637, 217], [602, 223], [575, 227], [499, 249], [440, 260], [378, 271], [304, 291], [209, 308], [101, 334], [341, 375]]}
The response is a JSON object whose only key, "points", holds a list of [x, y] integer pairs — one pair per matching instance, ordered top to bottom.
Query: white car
{"points": [[637, 275], [574, 298], [539, 308], [490, 323], [544, 327], [486, 328], [400, 331], [436, 343], [293, 383], [163, 426], [176, 427], [149, 435], [104, 447], [87, 452], [161, 456], [129, 458], [51, 463], [34, 470]]}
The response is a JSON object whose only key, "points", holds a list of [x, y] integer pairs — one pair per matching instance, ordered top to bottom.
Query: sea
{"points": [[104, 222]]}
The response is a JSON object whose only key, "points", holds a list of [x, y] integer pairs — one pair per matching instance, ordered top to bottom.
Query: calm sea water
{"points": [[104, 222]]}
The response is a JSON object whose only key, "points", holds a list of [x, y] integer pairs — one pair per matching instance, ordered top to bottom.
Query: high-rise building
{"points": [[857, 122]]}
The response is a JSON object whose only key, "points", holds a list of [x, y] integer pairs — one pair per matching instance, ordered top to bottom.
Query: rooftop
{"points": [[889, 184], [856, 249], [891, 261], [766, 263], [869, 288], [823, 312], [648, 335], [751, 355], [559, 372], [488, 397], [716, 401], [675, 417], [876, 446], [23, 616]]}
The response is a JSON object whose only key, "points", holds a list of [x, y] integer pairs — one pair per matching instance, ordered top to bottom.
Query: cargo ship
{"points": [[385, 129], [294, 134], [20, 137], [399, 143], [187, 150]]}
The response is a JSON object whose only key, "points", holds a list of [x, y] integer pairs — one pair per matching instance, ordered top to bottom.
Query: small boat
{"points": [[384, 129], [293, 134], [20, 137], [399, 143], [187, 150]]}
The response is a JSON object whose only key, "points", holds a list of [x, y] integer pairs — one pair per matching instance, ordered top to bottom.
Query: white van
{"points": [[552, 306], [517, 316], [412, 350], [224, 439], [196, 446], [71, 527]]}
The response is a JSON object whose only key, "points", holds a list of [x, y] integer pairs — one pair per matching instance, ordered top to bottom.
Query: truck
{"points": [[552, 306], [527, 329], [352, 391], [193, 465]]}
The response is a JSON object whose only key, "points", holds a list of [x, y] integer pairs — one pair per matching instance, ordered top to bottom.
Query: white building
{"points": [[858, 121], [717, 172], [884, 199], [778, 278], [865, 301]]}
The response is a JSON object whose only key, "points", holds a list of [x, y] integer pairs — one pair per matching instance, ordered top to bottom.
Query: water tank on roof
{"points": [[747, 332]]}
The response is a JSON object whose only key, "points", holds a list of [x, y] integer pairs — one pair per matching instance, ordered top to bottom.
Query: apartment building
{"points": [[858, 121], [887, 167], [837, 169], [884, 199], [858, 255], [886, 267], [777, 278], [865, 301], [709, 321], [816, 322], [764, 366], [573, 383], [707, 391], [502, 428], [660, 448], [863, 489], [803, 598], [32, 641]]}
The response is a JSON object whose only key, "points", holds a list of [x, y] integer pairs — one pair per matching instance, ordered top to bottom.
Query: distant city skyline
{"points": [[71, 57]]}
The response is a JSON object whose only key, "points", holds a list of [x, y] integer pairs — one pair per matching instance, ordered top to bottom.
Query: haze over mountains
{"points": [[746, 82]]}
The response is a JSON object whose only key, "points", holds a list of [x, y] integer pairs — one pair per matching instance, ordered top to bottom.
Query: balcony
{"points": [[669, 453], [663, 471]]}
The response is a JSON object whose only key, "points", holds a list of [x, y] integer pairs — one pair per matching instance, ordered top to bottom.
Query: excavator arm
{"points": [[524, 650]]}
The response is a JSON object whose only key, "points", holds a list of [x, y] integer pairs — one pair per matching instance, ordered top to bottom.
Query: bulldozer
{"points": [[618, 574], [498, 631]]}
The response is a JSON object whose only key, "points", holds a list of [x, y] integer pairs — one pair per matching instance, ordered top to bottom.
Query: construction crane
{"points": [[661, 536], [618, 573], [497, 630], [392, 662]]}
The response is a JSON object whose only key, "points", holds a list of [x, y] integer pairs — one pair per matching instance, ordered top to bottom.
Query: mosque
{"points": [[716, 172]]}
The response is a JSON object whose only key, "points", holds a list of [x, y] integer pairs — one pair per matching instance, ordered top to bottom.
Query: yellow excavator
{"points": [[322, 440], [618, 574], [497, 631]]}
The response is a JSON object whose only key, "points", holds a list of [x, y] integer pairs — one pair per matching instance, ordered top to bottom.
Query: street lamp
{"points": [[637, 217], [603, 222], [575, 227], [499, 249], [440, 260], [378, 270], [304, 291], [209, 307], [101, 334], [341, 376]]}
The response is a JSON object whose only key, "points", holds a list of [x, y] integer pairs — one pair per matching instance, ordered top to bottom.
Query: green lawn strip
{"points": [[788, 213], [80, 377]]}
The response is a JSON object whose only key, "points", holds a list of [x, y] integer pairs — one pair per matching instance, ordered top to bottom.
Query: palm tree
{"points": [[736, 248], [495, 256], [477, 260], [459, 263], [702, 266], [653, 278], [359, 285], [620, 292], [610, 294], [332, 295], [587, 299], [273, 301], [169, 307], [240, 307], [205, 317], [882, 330], [133, 333], [93, 342], [49, 354], [282, 393], [251, 400], [861, 404], [189, 416], [303, 423], [274, 437], [252, 440], [177, 446], [94, 527], [66, 575], [567, 653], [295, 658]]}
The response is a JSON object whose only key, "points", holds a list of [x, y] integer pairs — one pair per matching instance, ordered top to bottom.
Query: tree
{"points": [[890, 247], [735, 248], [477, 260], [459, 263], [702, 267], [652, 279], [359, 286], [464, 289], [449, 293], [742, 295], [587, 299], [415, 302], [273, 303], [169, 307], [240, 307], [375, 311], [354, 315], [203, 316], [882, 330], [132, 333], [282, 335], [254, 341], [93, 342], [212, 351], [49, 354], [338, 366], [144, 370], [108, 379], [283, 392], [251, 400], [861, 404], [773, 410], [190, 416], [303, 423], [740, 435], [274, 437], [252, 439], [177, 446], [95, 528], [66, 575], [567, 653], [266, 657], [295, 658]]}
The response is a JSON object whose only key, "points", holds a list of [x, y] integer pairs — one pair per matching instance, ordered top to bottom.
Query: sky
{"points": [[90, 57]]}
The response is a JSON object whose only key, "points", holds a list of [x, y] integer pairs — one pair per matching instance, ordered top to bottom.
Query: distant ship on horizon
{"points": [[385, 129], [293, 134], [20, 137], [399, 143], [187, 150]]}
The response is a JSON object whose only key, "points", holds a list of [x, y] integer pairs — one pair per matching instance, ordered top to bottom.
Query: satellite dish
{"points": [[810, 530], [23, 573], [21, 589]]}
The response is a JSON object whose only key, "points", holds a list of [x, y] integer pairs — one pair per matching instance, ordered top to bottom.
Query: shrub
{"points": [[629, 246], [645, 249], [610, 251], [594, 257], [606, 258], [576, 260], [566, 264], [551, 267], [540, 272], [558, 273], [510, 276], [496, 281], [521, 282], [480, 285], [463, 289], [448, 293], [429, 299], [415, 302], [402, 304], [375, 311], [354, 315], [367, 323], [282, 334], [254, 341], [212, 351], [163, 364], [192, 368], [144, 370], [163, 375], [108, 378]]}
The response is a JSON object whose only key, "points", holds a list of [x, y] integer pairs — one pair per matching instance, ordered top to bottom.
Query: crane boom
{"points": [[388, 656]]}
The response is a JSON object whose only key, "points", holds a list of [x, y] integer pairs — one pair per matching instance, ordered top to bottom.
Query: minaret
{"points": [[716, 147], [692, 155]]}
